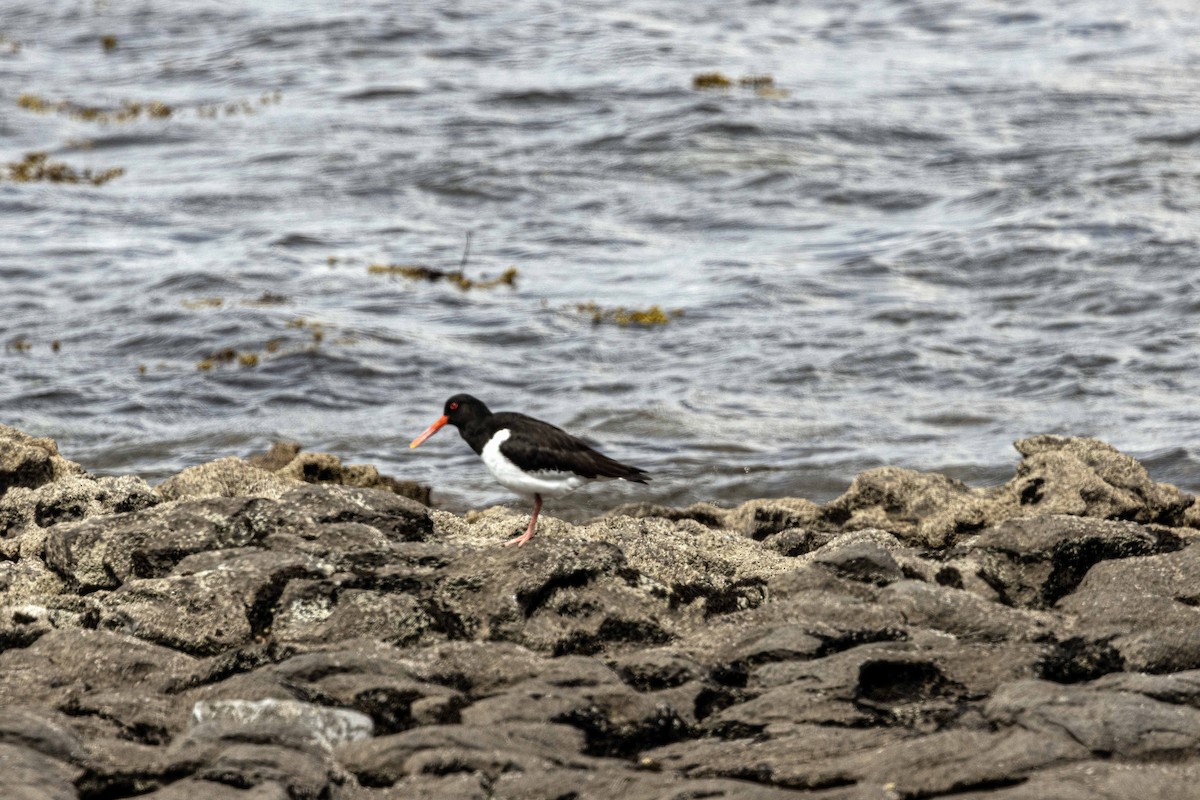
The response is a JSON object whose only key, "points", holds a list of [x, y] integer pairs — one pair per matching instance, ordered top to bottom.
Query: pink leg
{"points": [[525, 537]]}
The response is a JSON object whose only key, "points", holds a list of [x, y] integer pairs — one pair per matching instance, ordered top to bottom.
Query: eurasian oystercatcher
{"points": [[528, 456]]}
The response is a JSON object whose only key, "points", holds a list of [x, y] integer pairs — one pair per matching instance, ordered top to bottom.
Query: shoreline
{"points": [[290, 626]]}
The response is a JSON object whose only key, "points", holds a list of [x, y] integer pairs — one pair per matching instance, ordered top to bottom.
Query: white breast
{"points": [[546, 482]]}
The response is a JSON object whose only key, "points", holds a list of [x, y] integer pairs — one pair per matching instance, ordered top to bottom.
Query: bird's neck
{"points": [[477, 432]]}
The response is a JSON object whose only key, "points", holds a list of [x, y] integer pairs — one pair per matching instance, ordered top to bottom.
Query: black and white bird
{"points": [[530, 457]]}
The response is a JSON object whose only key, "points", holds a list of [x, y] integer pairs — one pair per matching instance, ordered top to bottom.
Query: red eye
{"points": [[454, 406]]}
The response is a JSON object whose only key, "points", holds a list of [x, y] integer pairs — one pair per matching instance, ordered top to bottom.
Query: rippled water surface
{"points": [[948, 225]]}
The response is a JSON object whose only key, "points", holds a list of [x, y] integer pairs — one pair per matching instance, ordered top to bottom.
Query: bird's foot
{"points": [[520, 541]]}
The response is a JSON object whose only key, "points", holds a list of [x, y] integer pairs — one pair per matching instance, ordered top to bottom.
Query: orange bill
{"points": [[430, 431]]}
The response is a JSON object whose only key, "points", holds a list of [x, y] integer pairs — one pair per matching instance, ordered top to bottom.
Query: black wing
{"points": [[537, 445]]}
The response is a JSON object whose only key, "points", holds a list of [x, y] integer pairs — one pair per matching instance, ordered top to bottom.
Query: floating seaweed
{"points": [[108, 42], [711, 80], [756, 81], [762, 85], [130, 110], [37, 166], [456, 277], [267, 299], [203, 302], [642, 317], [317, 329], [19, 344], [272, 347]]}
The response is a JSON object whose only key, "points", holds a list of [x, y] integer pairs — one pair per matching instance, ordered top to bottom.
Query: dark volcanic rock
{"points": [[104, 552], [1032, 562], [212, 602], [1146, 609], [262, 637]]}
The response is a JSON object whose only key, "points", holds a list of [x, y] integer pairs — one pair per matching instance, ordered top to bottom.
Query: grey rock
{"points": [[924, 509], [398, 518], [104, 552], [861, 560], [1031, 562], [562, 597], [212, 602], [1145, 609], [325, 611], [913, 638], [82, 661], [1120, 724], [37, 730], [491, 750], [26, 774], [1101, 780], [195, 789]]}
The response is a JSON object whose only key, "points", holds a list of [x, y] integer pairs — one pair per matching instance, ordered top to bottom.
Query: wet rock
{"points": [[1031, 562]]}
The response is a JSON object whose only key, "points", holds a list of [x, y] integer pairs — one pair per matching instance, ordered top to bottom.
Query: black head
{"points": [[463, 408], [462, 411]]}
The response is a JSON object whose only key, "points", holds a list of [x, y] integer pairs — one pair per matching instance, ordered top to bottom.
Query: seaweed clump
{"points": [[711, 80], [762, 85], [128, 111], [37, 166], [456, 277], [624, 317]]}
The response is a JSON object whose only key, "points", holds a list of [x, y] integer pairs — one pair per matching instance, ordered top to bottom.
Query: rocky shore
{"points": [[297, 628]]}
